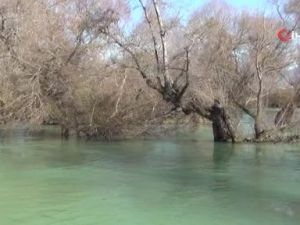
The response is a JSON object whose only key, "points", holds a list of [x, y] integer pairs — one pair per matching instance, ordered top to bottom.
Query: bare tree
{"points": [[242, 59], [166, 80]]}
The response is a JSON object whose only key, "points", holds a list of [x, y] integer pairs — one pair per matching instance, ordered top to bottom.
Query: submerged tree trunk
{"points": [[221, 125], [222, 128], [64, 131]]}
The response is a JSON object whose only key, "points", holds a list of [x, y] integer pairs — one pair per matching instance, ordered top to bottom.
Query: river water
{"points": [[183, 180]]}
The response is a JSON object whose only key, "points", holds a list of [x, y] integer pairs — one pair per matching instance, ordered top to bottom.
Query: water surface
{"points": [[183, 180]]}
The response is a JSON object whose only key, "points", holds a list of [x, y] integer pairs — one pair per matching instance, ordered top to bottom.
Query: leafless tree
{"points": [[169, 77]]}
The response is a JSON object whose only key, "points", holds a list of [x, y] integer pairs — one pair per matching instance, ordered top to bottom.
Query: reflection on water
{"points": [[181, 180]]}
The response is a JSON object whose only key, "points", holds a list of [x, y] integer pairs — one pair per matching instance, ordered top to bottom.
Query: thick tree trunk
{"points": [[221, 125], [222, 128]]}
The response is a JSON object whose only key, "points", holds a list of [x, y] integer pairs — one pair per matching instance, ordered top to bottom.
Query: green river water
{"points": [[182, 180]]}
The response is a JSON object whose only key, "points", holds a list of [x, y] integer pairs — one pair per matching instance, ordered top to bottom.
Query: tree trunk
{"points": [[221, 125], [258, 125], [222, 128], [258, 128], [64, 131]]}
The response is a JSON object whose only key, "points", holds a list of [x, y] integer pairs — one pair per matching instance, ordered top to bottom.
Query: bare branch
{"points": [[162, 33], [155, 46]]}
